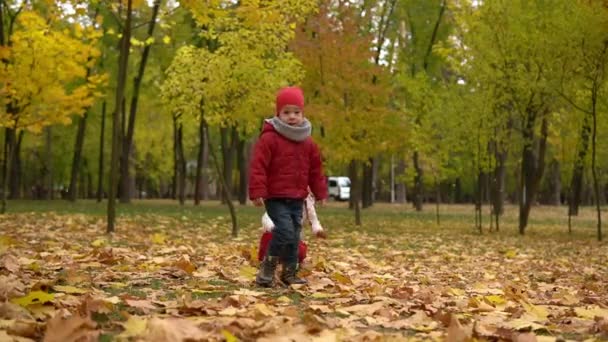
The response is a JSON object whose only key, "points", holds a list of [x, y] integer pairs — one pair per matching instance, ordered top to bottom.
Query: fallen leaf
{"points": [[158, 239], [248, 272], [69, 289], [34, 297], [145, 305], [591, 313], [134, 326], [74, 328], [173, 330], [455, 332], [228, 336], [524, 337]]}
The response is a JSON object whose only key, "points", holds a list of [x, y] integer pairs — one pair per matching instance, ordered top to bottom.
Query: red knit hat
{"points": [[289, 96]]}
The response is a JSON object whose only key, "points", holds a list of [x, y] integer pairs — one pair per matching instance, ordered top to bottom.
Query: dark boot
{"points": [[265, 275], [290, 275]]}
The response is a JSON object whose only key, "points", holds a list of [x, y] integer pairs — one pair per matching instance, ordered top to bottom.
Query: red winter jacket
{"points": [[282, 168]]}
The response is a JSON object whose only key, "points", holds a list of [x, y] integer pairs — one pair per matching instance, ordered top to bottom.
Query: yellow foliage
{"points": [[44, 74]]}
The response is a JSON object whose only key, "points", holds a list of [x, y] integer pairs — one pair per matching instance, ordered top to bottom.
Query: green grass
{"points": [[393, 218]]}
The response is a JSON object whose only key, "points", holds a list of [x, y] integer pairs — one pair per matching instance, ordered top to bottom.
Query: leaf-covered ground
{"points": [[162, 278]]}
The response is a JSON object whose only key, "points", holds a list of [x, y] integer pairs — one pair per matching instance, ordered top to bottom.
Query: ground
{"points": [[173, 273]]}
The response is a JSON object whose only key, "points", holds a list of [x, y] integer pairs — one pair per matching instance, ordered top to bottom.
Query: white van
{"points": [[339, 188]]}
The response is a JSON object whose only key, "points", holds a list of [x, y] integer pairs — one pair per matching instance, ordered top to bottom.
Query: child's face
{"points": [[291, 115]]}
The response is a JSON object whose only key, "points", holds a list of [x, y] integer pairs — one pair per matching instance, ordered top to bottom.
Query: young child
{"points": [[285, 163], [309, 214]]}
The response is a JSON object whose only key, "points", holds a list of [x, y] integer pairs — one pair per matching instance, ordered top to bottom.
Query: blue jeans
{"points": [[286, 214]]}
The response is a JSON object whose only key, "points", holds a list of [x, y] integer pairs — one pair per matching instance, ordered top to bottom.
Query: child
{"points": [[285, 163], [310, 215]]}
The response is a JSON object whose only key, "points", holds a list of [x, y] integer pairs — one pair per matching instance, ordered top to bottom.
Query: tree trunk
{"points": [[123, 60], [101, 145], [9, 151], [228, 153], [175, 158], [241, 158], [48, 160], [532, 167], [15, 170], [125, 175], [181, 179], [392, 181], [576, 182], [368, 183], [418, 183], [555, 183], [198, 187], [596, 187], [72, 190], [401, 190], [355, 191], [437, 201], [235, 228]]}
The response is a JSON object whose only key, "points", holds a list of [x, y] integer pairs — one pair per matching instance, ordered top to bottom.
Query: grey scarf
{"points": [[295, 133]]}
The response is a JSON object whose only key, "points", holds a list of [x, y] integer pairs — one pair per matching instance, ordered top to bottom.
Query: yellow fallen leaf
{"points": [[158, 239], [99, 242], [510, 254], [248, 272], [341, 278], [69, 289], [456, 292], [320, 295], [34, 297], [283, 299], [495, 299], [263, 310], [539, 312], [591, 313], [134, 326], [228, 336]]}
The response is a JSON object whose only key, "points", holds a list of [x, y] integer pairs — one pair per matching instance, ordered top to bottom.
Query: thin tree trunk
{"points": [[123, 60], [101, 145], [9, 150], [175, 158], [49, 162], [242, 165], [181, 166], [532, 167], [15, 170], [125, 175], [392, 181], [576, 182], [367, 184], [555, 184], [418, 185], [596, 187], [198, 188], [72, 190], [401, 190], [355, 191], [437, 201], [235, 228]]}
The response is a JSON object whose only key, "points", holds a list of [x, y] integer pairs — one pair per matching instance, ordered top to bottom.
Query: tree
{"points": [[511, 46], [44, 77], [342, 98]]}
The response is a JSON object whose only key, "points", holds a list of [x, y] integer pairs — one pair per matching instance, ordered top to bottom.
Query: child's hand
{"points": [[258, 202], [321, 234]]}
